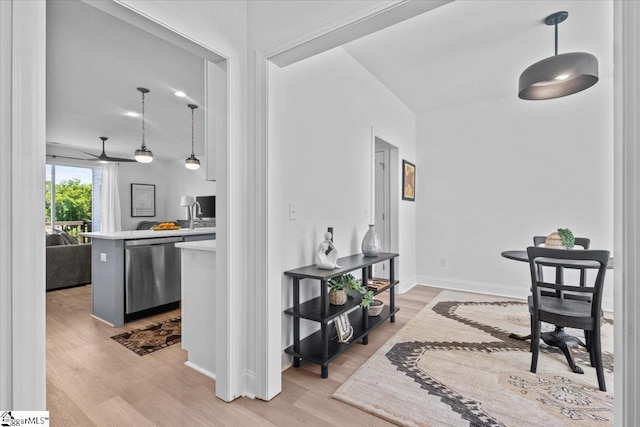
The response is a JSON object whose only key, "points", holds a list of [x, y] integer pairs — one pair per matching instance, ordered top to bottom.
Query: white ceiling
{"points": [[472, 51], [458, 54], [95, 62]]}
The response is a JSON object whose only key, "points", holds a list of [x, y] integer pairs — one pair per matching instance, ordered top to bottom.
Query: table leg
{"points": [[560, 339], [565, 342]]}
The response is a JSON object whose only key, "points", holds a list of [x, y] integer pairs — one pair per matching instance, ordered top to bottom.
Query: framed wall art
{"points": [[408, 181], [143, 200]]}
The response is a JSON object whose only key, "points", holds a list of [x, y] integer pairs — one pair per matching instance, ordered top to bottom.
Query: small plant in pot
{"points": [[563, 238], [341, 287]]}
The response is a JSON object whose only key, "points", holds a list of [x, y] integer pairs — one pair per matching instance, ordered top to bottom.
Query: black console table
{"points": [[320, 348]]}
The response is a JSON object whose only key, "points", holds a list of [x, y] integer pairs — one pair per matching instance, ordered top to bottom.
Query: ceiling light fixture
{"points": [[558, 75], [180, 94], [132, 114], [143, 155], [191, 162]]}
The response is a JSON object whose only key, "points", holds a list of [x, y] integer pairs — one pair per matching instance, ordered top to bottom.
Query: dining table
{"points": [[558, 337]]}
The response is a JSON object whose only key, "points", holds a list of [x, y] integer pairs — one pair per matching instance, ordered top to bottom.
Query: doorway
{"points": [[386, 184]]}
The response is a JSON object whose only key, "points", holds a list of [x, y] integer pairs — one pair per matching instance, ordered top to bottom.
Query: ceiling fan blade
{"points": [[91, 154], [54, 156], [104, 158], [118, 159]]}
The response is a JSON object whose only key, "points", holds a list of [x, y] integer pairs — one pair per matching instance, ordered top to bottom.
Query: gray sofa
{"points": [[68, 262]]}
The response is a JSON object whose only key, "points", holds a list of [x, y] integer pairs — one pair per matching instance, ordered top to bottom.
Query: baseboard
{"points": [[406, 284], [475, 287], [489, 289], [103, 321], [286, 361], [201, 370], [248, 378]]}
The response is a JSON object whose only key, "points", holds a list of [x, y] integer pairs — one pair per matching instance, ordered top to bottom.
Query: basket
{"points": [[554, 240], [338, 297], [376, 308]]}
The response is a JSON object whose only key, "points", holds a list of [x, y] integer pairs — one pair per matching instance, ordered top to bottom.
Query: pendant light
{"points": [[558, 75], [143, 155], [191, 162]]}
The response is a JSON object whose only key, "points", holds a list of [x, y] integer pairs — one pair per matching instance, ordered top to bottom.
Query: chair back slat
{"points": [[558, 257]]}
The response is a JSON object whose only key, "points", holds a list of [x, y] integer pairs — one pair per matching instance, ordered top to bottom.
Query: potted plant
{"points": [[563, 238], [568, 240], [343, 286]]}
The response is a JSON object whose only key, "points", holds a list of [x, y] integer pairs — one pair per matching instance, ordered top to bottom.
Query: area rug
{"points": [[152, 338], [454, 364]]}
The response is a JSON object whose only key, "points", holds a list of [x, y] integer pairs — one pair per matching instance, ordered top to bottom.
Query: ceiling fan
{"points": [[103, 158]]}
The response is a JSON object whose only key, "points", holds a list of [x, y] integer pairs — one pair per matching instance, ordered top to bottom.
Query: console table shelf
{"points": [[321, 347]]}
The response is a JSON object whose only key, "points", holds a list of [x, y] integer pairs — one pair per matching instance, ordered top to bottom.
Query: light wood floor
{"points": [[92, 380]]}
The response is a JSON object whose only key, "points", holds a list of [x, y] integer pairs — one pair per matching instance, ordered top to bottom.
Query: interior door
{"points": [[382, 207]]}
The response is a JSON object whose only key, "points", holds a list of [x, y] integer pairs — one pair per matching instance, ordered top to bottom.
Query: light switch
{"points": [[293, 213], [103, 257]]}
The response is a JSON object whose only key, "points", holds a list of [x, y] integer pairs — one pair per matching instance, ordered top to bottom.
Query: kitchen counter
{"points": [[148, 234], [202, 245], [122, 269]]}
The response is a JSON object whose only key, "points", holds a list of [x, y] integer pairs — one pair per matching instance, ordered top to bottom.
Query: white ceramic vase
{"points": [[371, 242]]}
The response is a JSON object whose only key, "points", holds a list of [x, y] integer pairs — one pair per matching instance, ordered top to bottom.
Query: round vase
{"points": [[371, 242]]}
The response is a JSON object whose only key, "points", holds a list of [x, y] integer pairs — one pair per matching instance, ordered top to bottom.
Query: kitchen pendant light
{"points": [[558, 75], [142, 154], [191, 162]]}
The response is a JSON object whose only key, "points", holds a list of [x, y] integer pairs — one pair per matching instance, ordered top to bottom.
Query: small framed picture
{"points": [[408, 181], [143, 200], [344, 330]]}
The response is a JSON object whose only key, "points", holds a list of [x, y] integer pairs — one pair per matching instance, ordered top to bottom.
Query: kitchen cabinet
{"points": [[109, 273]]}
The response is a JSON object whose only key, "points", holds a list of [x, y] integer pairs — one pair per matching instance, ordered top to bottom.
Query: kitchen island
{"points": [[137, 273], [198, 300]]}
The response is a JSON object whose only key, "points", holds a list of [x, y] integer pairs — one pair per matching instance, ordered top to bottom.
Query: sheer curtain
{"points": [[110, 217]]}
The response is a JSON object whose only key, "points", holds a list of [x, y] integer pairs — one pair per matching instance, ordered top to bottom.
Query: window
{"points": [[72, 198]]}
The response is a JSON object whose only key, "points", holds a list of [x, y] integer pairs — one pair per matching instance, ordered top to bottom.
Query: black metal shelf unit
{"points": [[320, 347]]}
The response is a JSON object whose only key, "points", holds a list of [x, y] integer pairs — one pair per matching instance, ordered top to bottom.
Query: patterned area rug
{"points": [[152, 338], [454, 364]]}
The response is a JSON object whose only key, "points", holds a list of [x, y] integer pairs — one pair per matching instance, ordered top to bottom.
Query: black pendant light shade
{"points": [[558, 75], [142, 154], [192, 162]]}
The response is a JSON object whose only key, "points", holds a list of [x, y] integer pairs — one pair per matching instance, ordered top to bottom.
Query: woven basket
{"points": [[554, 241], [337, 297]]}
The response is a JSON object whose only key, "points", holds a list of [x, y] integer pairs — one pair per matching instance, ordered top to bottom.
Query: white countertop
{"points": [[147, 234], [199, 245]]}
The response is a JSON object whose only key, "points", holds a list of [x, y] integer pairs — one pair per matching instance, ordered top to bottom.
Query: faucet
{"points": [[194, 213]]}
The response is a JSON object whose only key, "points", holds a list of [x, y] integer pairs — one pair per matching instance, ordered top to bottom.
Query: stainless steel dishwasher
{"points": [[152, 273]]}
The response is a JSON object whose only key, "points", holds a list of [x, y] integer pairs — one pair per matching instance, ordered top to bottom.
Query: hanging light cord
{"points": [[556, 38], [192, 113], [144, 146]]}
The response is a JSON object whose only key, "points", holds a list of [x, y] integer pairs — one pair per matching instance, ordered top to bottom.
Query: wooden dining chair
{"points": [[551, 307]]}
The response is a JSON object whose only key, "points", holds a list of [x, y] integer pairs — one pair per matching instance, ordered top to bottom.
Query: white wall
{"points": [[326, 106], [492, 175], [171, 179], [185, 182]]}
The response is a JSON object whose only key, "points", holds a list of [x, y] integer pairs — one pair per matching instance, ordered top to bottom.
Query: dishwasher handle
{"points": [[152, 241]]}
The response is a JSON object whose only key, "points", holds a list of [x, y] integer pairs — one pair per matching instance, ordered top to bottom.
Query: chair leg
{"points": [[531, 343], [535, 344], [590, 349], [597, 355]]}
